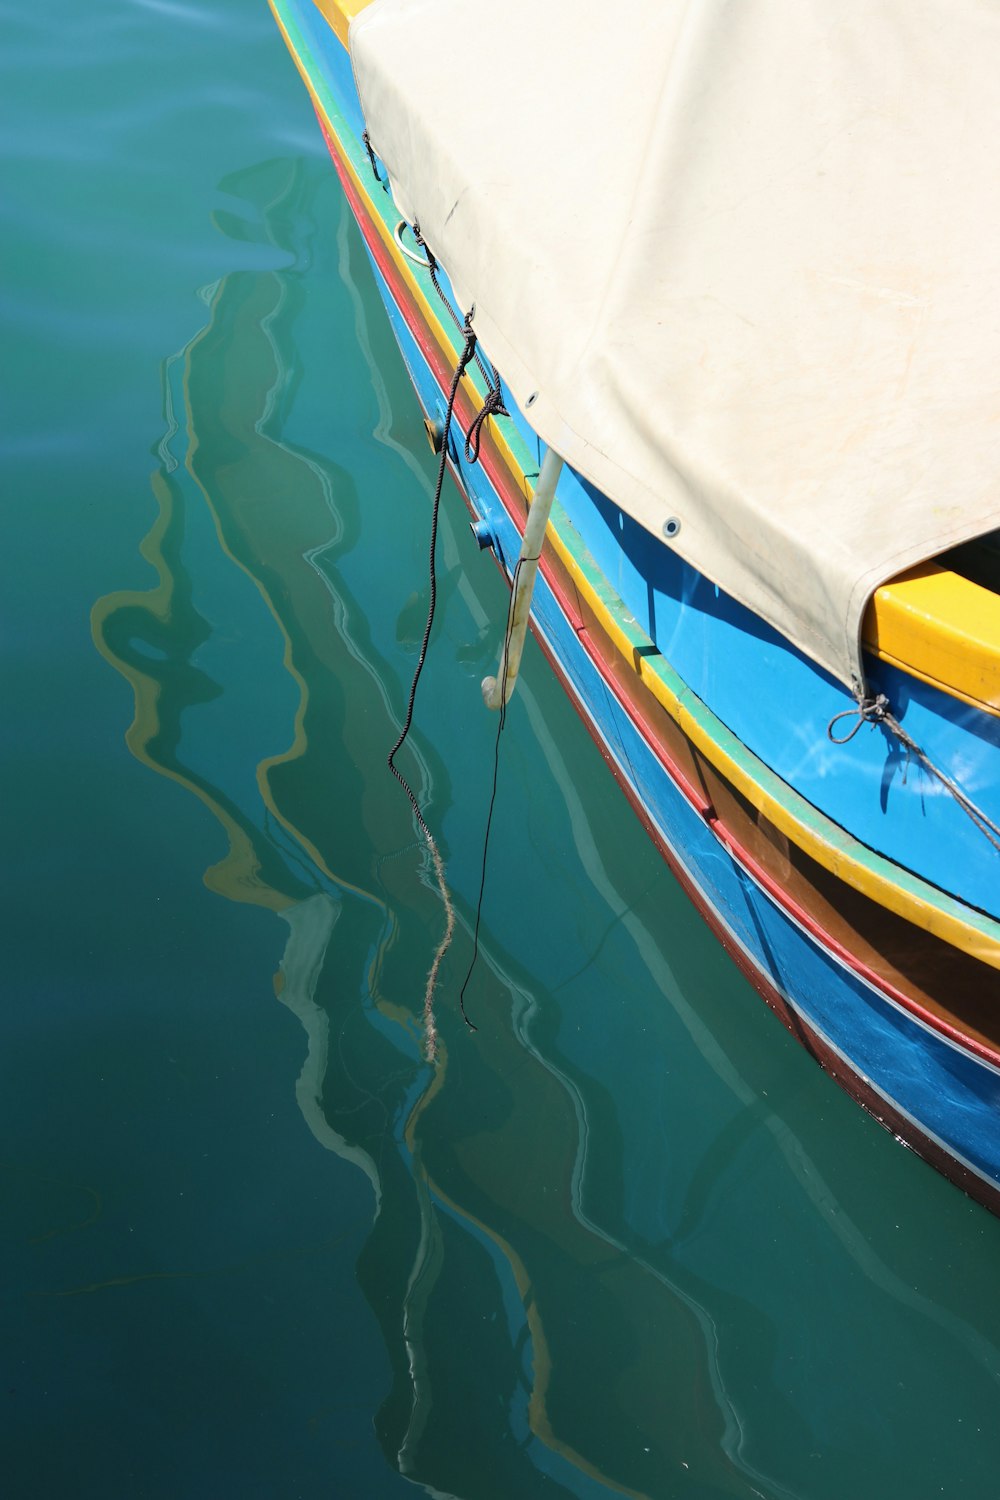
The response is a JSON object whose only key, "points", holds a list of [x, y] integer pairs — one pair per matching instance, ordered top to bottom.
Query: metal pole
{"points": [[520, 604]]}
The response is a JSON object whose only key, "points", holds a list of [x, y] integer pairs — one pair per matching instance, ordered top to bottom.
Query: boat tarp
{"points": [[738, 261]]}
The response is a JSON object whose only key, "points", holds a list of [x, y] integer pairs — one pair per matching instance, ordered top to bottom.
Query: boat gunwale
{"points": [[818, 837]]}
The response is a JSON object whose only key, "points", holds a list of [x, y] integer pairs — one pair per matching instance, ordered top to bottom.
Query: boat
{"points": [[701, 314]]}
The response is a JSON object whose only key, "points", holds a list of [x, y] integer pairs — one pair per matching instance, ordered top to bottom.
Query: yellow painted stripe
{"points": [[340, 13], [941, 628], [823, 840], [831, 850]]}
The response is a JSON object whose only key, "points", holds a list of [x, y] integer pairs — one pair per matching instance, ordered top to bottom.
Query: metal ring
{"points": [[397, 235]]}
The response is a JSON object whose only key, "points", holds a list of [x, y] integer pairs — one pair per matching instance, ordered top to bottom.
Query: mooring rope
{"points": [[366, 140], [492, 406], [876, 710], [501, 721], [430, 1027]]}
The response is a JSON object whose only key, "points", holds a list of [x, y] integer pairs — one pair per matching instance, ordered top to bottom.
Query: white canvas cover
{"points": [[747, 252]]}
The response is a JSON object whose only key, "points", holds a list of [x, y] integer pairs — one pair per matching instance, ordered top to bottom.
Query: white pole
{"points": [[520, 604]]}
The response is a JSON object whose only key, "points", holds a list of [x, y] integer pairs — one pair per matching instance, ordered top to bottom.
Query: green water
{"points": [[626, 1239]]}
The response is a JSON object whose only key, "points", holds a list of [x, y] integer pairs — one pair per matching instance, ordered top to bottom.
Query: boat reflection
{"points": [[539, 1259]]}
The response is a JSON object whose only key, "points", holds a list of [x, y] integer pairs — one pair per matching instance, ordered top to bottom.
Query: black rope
{"points": [[366, 139], [464, 358], [493, 405], [877, 711], [501, 721], [430, 1027]]}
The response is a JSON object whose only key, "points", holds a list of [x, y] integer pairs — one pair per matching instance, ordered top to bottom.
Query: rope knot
{"points": [[366, 141], [469, 352], [492, 407], [868, 710], [877, 711]]}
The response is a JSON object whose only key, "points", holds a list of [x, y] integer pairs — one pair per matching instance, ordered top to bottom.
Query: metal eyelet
{"points": [[397, 234]]}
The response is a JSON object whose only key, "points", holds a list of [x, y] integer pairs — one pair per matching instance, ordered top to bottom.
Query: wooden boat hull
{"points": [[826, 958]]}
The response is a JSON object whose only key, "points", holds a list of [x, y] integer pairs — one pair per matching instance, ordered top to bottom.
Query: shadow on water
{"points": [[546, 1259]]}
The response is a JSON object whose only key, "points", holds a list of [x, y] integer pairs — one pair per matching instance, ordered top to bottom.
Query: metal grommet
{"points": [[397, 235], [532, 399], [671, 527]]}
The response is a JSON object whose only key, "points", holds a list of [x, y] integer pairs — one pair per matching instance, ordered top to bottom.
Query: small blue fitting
{"points": [[483, 533]]}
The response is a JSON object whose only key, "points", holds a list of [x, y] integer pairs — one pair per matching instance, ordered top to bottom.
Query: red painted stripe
{"points": [[501, 482], [760, 875]]}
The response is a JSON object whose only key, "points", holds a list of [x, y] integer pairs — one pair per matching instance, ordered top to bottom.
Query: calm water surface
{"points": [[625, 1239]]}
